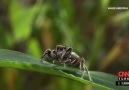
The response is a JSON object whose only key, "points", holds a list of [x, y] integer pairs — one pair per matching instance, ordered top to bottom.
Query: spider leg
{"points": [[48, 51], [68, 60], [53, 61], [74, 62], [64, 65], [80, 66], [84, 68]]}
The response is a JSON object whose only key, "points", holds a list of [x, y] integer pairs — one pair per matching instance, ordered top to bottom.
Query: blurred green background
{"points": [[99, 34]]}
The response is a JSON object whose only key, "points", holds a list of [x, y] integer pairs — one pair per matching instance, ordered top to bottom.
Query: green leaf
{"points": [[21, 19], [14, 59]]}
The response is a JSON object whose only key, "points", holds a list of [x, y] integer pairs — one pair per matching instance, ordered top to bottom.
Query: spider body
{"points": [[65, 54]]}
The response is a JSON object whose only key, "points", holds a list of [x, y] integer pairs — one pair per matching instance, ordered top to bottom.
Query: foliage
{"points": [[19, 60]]}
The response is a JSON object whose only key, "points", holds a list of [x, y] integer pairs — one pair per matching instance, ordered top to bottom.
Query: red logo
{"points": [[123, 73]]}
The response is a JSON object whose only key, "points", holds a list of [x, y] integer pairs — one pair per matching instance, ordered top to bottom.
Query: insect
{"points": [[65, 54]]}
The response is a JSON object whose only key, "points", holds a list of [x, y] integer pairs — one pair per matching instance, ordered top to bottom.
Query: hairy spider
{"points": [[55, 54], [64, 54]]}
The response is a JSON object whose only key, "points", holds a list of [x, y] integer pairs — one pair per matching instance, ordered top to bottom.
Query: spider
{"points": [[55, 54], [65, 54]]}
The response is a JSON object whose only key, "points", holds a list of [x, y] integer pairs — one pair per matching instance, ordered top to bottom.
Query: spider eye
{"points": [[58, 48], [61, 48]]}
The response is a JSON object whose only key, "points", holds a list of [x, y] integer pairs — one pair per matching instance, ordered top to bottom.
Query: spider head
{"points": [[60, 48], [63, 52], [66, 53]]}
